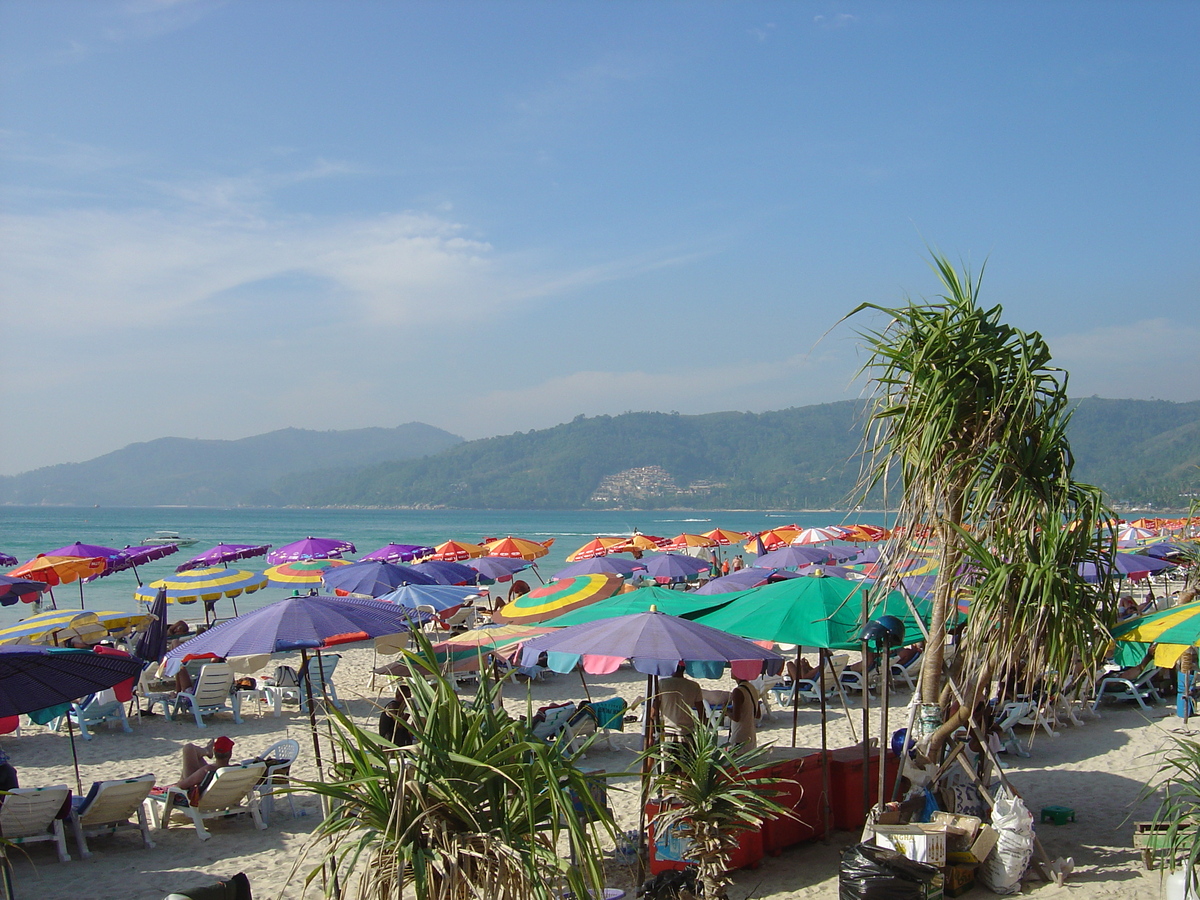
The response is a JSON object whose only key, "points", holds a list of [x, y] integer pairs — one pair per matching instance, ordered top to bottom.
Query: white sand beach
{"points": [[1097, 769]]}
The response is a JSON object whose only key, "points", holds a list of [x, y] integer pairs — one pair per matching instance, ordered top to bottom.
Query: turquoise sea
{"points": [[27, 531]]}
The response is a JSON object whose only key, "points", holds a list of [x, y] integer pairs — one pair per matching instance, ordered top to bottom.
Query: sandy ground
{"points": [[1098, 769]]}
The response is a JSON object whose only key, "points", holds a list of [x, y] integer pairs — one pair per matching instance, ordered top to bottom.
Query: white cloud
{"points": [[841, 20], [1149, 358]]}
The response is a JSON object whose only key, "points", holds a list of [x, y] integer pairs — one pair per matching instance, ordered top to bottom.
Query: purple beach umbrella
{"points": [[309, 548], [399, 553], [223, 555], [792, 557], [6, 560], [600, 565], [1123, 565], [497, 568], [673, 568], [446, 572], [372, 578], [742, 580], [14, 589], [441, 597]]}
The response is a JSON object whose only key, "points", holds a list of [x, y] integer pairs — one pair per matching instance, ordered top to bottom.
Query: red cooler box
{"points": [[846, 785], [803, 797], [669, 851]]}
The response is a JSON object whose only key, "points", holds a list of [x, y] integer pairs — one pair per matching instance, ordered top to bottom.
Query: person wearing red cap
{"points": [[195, 767]]}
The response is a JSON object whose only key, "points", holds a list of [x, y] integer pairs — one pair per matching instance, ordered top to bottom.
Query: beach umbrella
{"points": [[865, 533], [1134, 534], [816, 536], [725, 537], [772, 539], [687, 542], [638, 543], [597, 547], [309, 548], [518, 548], [1165, 550], [456, 551], [399, 553], [223, 555], [792, 557], [7, 560], [117, 560], [599, 565], [1123, 565], [497, 568], [673, 568], [55, 570], [831, 571], [445, 572], [301, 574], [372, 578], [742, 580], [209, 585], [27, 590], [439, 597], [555, 599], [665, 600], [55, 627], [1173, 630], [654, 643], [152, 645], [463, 651]]}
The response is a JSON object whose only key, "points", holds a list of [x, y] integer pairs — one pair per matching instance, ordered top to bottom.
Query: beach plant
{"points": [[970, 417], [712, 794], [475, 808], [1178, 813]]}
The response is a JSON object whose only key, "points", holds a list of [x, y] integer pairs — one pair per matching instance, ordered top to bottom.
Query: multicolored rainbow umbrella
{"points": [[303, 573], [212, 583], [545, 603], [1174, 630], [462, 651]]}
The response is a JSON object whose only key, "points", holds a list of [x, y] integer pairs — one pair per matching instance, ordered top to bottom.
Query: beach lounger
{"points": [[907, 673], [809, 689], [1139, 689], [151, 691], [211, 694], [98, 709], [609, 716], [278, 759], [230, 791], [108, 806], [30, 815]]}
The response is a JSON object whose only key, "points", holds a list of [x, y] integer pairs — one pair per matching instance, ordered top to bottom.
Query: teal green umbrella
{"points": [[673, 603]]}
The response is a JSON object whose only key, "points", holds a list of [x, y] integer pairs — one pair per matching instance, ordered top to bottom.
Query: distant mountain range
{"points": [[1142, 452]]}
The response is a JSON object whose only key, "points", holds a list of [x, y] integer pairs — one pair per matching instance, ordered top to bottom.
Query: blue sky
{"points": [[219, 219]]}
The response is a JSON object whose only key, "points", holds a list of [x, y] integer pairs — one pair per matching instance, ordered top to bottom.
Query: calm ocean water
{"points": [[27, 531]]}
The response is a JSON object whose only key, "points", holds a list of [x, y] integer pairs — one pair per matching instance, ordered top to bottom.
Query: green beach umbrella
{"points": [[1173, 630]]}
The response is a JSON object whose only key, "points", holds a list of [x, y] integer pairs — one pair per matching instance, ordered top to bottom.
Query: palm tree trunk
{"points": [[949, 556]]}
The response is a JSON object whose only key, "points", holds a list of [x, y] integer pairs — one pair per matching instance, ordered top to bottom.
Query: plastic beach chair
{"points": [[1140, 689], [210, 694], [97, 709], [278, 759], [229, 792], [108, 806], [29, 815]]}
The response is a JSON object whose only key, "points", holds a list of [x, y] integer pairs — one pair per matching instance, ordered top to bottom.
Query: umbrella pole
{"points": [[81, 593], [53, 602], [823, 657], [885, 673], [587, 693], [796, 695], [312, 712], [866, 714], [74, 755], [644, 792]]}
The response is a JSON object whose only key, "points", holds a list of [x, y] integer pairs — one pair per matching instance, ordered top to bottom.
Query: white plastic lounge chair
{"points": [[462, 620], [319, 671], [907, 673], [810, 688], [1140, 689], [151, 691], [210, 694], [97, 709], [549, 722], [278, 759], [230, 791], [110, 805], [28, 815]]}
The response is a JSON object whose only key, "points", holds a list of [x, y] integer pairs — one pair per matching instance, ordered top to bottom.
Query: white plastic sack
{"points": [[1001, 872]]}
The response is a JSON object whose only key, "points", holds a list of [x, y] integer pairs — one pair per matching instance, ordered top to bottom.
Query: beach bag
{"points": [[285, 676], [245, 684], [1001, 872], [874, 873]]}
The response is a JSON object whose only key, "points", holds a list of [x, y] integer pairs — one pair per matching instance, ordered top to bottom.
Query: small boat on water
{"points": [[162, 538]]}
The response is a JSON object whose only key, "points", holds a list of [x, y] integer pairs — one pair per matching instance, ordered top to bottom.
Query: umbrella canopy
{"points": [[864, 533], [1134, 533], [817, 536], [724, 537], [772, 539], [687, 541], [638, 543], [596, 547], [309, 548], [518, 548], [456, 551], [399, 553], [223, 555], [791, 557], [7, 560], [115, 560], [599, 565], [1123, 565], [497, 568], [673, 568], [55, 570], [445, 572], [304, 573], [372, 578], [742, 580], [202, 584], [26, 590], [441, 597], [555, 599], [673, 603], [812, 612], [294, 623], [56, 626], [654, 642], [152, 645], [462, 651], [33, 678]]}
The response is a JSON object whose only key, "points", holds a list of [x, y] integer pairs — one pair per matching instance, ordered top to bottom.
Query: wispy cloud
{"points": [[838, 20], [762, 32], [1144, 358]]}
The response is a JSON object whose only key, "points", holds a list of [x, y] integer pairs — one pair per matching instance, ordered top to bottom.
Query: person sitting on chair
{"points": [[805, 671], [681, 701], [743, 716], [393, 720], [195, 769], [8, 774]]}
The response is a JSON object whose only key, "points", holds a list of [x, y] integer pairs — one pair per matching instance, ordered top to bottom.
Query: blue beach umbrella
{"points": [[600, 565], [674, 568], [443, 572], [372, 578], [441, 597]]}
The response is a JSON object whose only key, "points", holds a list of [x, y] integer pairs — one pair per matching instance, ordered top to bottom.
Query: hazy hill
{"points": [[1141, 452], [181, 471]]}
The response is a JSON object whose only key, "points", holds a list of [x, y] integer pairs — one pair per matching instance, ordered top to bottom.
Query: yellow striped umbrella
{"points": [[600, 546], [302, 573], [204, 584], [557, 598], [58, 626], [1174, 630]]}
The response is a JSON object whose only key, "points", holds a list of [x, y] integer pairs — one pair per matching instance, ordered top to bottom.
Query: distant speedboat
{"points": [[162, 538]]}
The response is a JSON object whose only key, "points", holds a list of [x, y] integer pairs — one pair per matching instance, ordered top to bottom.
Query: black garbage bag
{"points": [[875, 873], [669, 885], [235, 888]]}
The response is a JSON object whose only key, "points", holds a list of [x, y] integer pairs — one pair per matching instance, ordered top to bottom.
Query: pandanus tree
{"points": [[970, 418]]}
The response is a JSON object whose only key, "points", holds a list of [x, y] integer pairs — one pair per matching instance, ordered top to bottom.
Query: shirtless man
{"points": [[195, 769]]}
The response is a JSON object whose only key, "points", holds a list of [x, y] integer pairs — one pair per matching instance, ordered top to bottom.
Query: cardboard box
{"points": [[914, 842], [979, 848], [957, 880]]}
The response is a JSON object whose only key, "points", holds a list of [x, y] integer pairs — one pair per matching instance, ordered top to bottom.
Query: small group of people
{"points": [[683, 707]]}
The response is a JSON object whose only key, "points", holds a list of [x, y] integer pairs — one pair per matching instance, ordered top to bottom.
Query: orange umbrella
{"points": [[857, 534], [724, 537], [773, 539], [685, 541], [639, 542], [600, 546], [518, 548], [456, 551], [54, 570]]}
